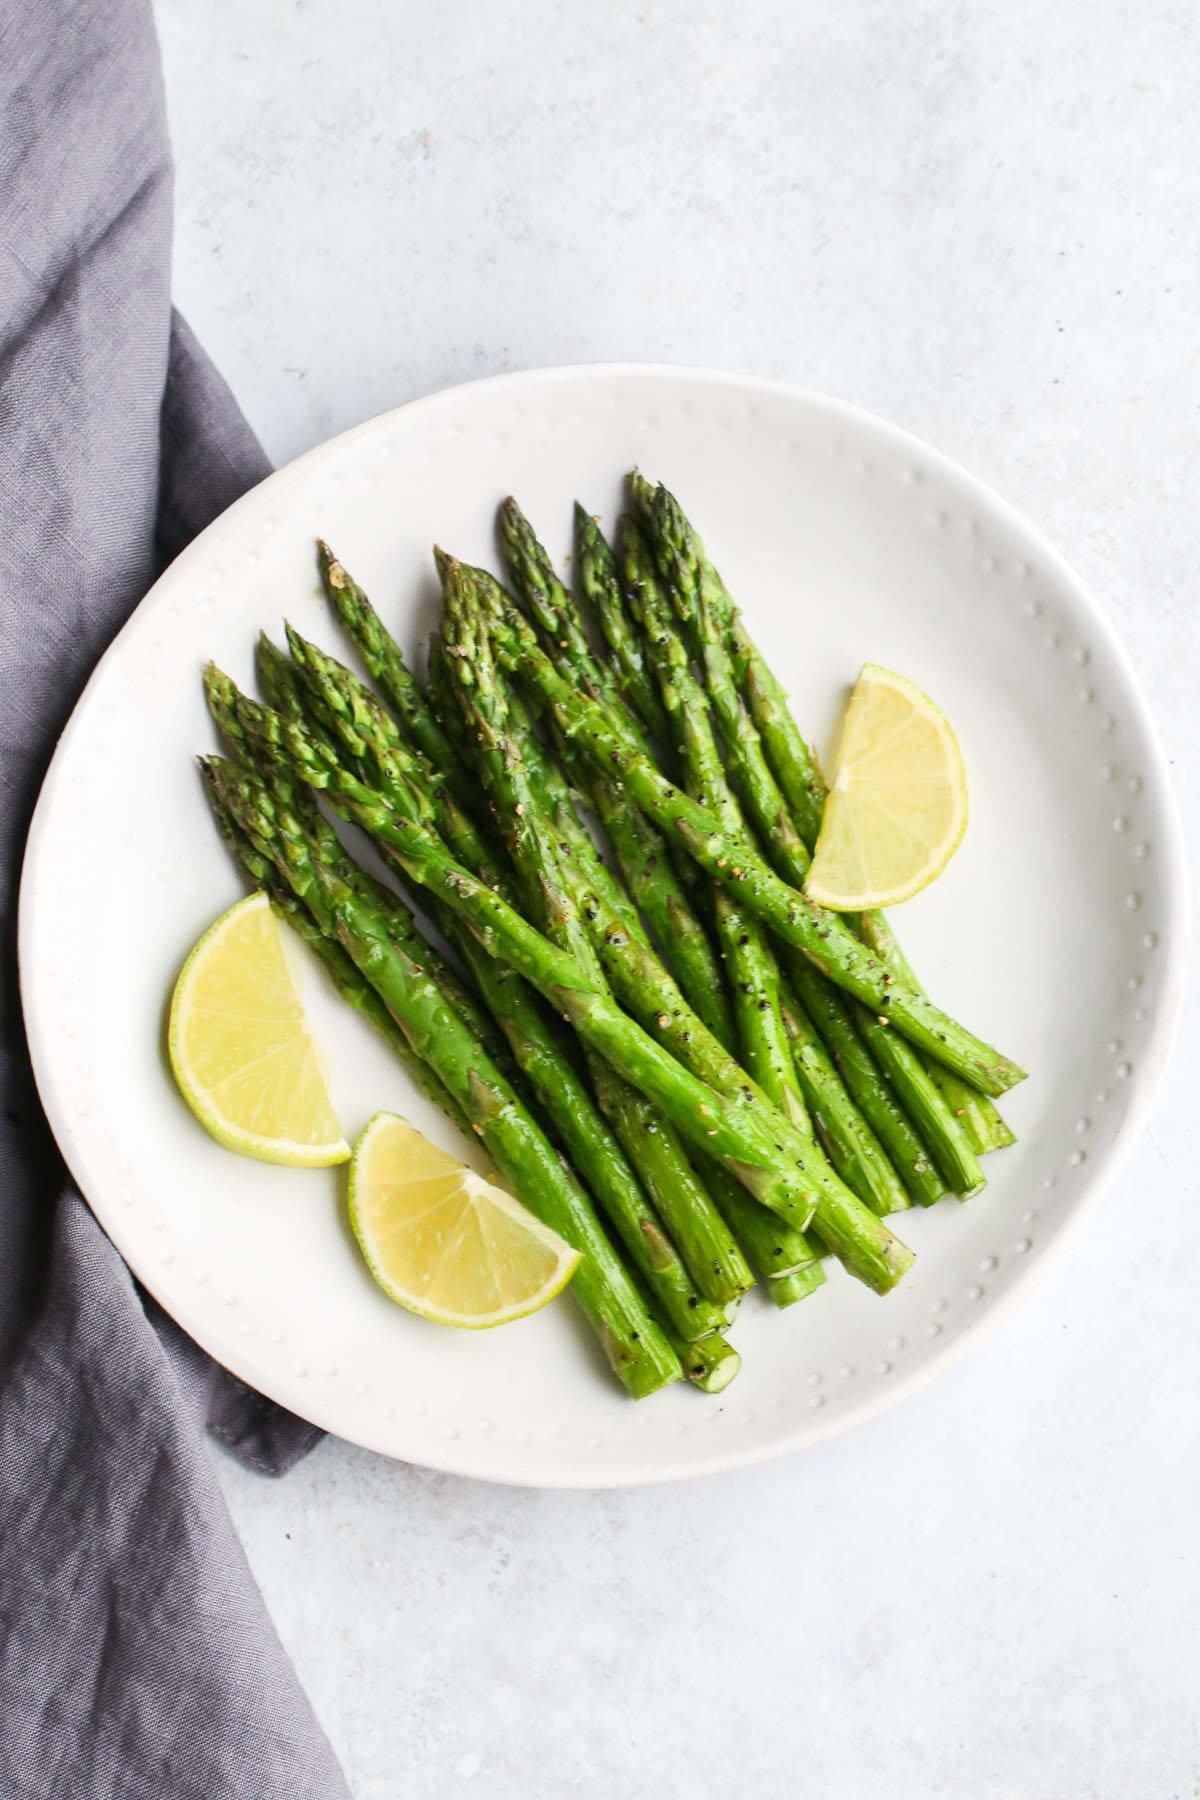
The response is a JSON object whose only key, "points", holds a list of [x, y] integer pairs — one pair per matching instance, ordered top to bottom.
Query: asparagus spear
{"points": [[602, 587], [547, 600], [385, 661], [278, 678], [439, 689], [229, 709], [790, 757], [796, 769], [556, 802], [641, 854], [644, 858], [734, 862], [653, 881], [647, 988], [758, 1003], [826, 1008], [775, 1061], [935, 1121], [936, 1124], [849, 1142], [594, 1149], [708, 1248], [772, 1248], [787, 1261], [634, 1344]]}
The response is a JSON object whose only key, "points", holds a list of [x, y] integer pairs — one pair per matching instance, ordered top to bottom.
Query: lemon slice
{"points": [[897, 809], [241, 1050], [443, 1241]]}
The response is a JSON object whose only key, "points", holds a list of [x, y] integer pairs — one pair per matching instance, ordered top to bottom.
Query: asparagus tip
{"points": [[296, 644]]}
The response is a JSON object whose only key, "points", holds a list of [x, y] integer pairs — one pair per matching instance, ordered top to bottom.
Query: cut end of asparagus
{"points": [[970, 1193], [785, 1290], [711, 1365]]}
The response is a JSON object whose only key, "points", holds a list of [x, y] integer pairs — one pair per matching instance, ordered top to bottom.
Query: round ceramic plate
{"points": [[1057, 931]]}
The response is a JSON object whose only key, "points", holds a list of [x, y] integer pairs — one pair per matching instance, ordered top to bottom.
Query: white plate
{"points": [[1057, 932]]}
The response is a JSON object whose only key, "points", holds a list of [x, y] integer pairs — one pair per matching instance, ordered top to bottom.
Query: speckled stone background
{"points": [[981, 221]]}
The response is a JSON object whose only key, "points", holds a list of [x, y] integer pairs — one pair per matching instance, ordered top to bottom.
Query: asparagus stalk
{"points": [[602, 586], [548, 602], [385, 662], [439, 687], [230, 709], [790, 757], [795, 768], [555, 801], [641, 854], [644, 858], [735, 863], [654, 883], [750, 964], [649, 991], [827, 1010], [766, 1052], [777, 1053], [935, 1121], [937, 1127], [848, 1140], [594, 1149], [708, 1248], [772, 1248], [776, 1252], [635, 1346]]}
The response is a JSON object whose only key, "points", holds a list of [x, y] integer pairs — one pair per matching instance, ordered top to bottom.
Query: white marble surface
{"points": [[979, 221]]}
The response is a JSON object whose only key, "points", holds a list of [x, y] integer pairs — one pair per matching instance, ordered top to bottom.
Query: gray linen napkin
{"points": [[136, 1657]]}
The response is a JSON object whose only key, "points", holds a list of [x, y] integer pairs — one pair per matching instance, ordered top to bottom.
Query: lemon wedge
{"points": [[897, 807], [241, 1050], [444, 1242]]}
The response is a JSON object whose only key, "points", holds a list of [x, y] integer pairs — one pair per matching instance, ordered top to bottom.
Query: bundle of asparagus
{"points": [[695, 1075]]}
